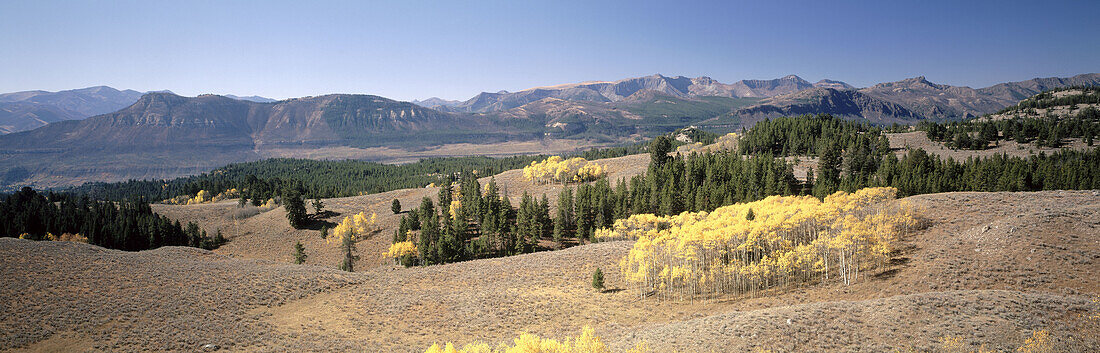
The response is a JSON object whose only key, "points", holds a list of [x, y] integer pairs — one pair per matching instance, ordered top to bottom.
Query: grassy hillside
{"points": [[991, 269]]}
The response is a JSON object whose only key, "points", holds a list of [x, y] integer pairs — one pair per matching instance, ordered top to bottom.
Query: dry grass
{"points": [[991, 267], [169, 299]]}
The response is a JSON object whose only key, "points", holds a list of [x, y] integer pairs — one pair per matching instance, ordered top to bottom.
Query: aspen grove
{"points": [[775, 242]]}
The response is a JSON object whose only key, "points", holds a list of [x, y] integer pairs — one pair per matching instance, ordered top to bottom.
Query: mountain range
{"points": [[606, 91], [901, 101], [28, 110], [161, 134]]}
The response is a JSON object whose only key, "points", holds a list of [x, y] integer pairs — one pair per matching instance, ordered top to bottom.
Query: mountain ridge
{"points": [[615, 91], [26, 110]]}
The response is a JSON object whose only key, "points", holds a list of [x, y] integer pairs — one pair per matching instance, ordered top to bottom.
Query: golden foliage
{"points": [[558, 170], [204, 196], [456, 204], [354, 227], [68, 237], [790, 239], [400, 249], [587, 342]]}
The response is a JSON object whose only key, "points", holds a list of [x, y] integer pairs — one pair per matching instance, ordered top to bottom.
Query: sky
{"points": [[455, 49]]}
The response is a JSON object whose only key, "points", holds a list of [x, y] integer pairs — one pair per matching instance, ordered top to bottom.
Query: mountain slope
{"points": [[848, 104], [27, 110]]}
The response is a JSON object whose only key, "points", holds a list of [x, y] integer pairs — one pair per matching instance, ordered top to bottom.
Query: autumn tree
{"points": [[788, 239]]}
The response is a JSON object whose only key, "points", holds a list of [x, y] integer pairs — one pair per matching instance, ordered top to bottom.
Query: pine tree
{"points": [[659, 149], [318, 206], [396, 206], [295, 209], [584, 211], [564, 222], [545, 223], [348, 247], [299, 253], [597, 280]]}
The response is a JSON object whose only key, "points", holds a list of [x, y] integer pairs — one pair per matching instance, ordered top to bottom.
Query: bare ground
{"points": [[990, 269]]}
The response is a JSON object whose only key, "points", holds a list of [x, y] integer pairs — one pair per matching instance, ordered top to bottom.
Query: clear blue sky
{"points": [[418, 49]]}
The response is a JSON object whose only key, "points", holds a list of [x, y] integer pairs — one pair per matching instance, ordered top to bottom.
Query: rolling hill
{"points": [[991, 269]]}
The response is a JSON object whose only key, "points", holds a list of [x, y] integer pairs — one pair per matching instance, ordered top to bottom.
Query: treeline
{"points": [[1045, 132], [810, 135], [852, 147], [921, 173], [266, 179], [128, 225]]}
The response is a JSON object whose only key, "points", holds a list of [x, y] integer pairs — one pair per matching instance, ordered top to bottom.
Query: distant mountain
{"points": [[614, 91], [256, 99], [908, 100], [436, 102], [848, 104], [31, 109], [163, 134]]}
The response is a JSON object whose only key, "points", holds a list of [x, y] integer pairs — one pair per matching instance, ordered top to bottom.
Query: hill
{"points": [[991, 268]]}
